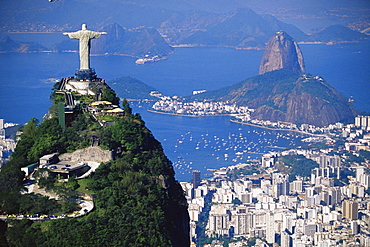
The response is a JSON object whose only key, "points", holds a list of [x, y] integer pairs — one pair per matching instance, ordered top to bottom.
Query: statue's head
{"points": [[84, 27]]}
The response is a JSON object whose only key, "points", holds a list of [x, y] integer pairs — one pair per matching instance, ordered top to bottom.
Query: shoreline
{"points": [[221, 46], [139, 100], [184, 115], [235, 121], [269, 128]]}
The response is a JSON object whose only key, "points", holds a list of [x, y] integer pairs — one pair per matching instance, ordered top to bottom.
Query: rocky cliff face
{"points": [[282, 52], [96, 154]]}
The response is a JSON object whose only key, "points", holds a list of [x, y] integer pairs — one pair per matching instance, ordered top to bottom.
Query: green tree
{"points": [[110, 95], [126, 107], [27, 139], [45, 144], [365, 154], [298, 165], [72, 183], [10, 186], [236, 201], [17, 234]]}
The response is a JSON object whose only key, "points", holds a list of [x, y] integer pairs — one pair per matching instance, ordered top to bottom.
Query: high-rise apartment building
{"points": [[362, 121], [2, 130], [196, 178], [350, 210], [243, 223], [219, 224]]}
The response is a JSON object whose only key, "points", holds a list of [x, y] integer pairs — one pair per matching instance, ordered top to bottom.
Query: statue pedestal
{"points": [[85, 74]]}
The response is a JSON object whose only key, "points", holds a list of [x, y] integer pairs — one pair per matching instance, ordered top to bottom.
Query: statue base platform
{"points": [[85, 74]]}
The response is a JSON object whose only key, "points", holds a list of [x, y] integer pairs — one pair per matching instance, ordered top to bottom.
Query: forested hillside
{"points": [[137, 200]]}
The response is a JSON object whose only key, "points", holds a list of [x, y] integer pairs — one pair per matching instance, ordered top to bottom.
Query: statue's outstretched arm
{"points": [[73, 35]]}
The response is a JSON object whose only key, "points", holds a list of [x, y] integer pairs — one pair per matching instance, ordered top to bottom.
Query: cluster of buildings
{"points": [[176, 105], [241, 118], [304, 128], [7, 145], [331, 207]]}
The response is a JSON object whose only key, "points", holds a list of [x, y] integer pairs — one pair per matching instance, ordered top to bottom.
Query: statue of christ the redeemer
{"points": [[84, 36]]}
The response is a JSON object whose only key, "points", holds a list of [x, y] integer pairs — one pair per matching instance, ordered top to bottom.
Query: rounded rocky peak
{"points": [[282, 36], [282, 52]]}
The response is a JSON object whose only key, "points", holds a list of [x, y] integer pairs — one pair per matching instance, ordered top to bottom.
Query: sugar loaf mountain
{"points": [[284, 91]]}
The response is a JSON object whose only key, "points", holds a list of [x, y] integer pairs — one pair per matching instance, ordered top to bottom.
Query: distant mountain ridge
{"points": [[40, 15], [180, 23], [242, 28], [336, 34], [138, 42], [9, 45], [131, 88], [283, 95]]}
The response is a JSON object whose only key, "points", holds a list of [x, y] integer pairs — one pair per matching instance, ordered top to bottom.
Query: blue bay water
{"points": [[345, 67], [211, 142], [191, 143]]}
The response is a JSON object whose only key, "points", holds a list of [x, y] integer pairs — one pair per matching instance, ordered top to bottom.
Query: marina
{"points": [[190, 146]]}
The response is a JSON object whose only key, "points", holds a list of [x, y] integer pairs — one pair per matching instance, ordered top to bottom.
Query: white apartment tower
{"points": [[362, 121], [2, 131], [359, 173], [243, 223], [219, 224], [270, 228], [285, 239]]}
